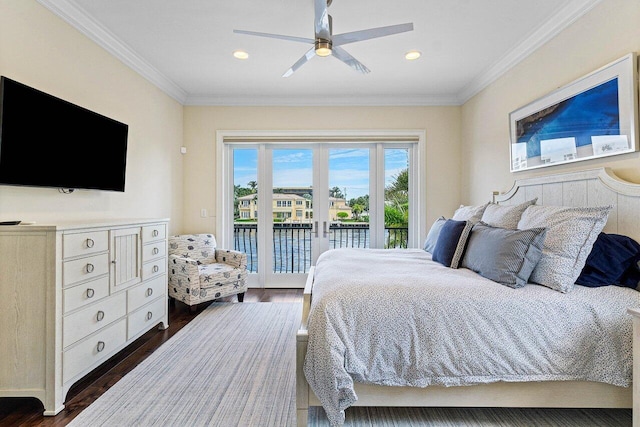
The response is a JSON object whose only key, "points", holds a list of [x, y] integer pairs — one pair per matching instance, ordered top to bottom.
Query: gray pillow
{"points": [[469, 213], [505, 216], [434, 232], [571, 233], [503, 255]]}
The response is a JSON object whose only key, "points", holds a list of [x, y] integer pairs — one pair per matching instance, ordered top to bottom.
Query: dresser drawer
{"points": [[151, 233], [87, 243], [154, 250], [154, 268], [84, 269], [146, 292], [86, 293], [93, 317], [146, 317], [93, 350]]}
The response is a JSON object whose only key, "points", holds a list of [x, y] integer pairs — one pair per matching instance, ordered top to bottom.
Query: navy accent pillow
{"points": [[451, 242], [613, 261]]}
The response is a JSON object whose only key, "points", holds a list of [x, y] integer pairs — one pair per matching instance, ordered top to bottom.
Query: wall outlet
{"points": [[203, 213]]}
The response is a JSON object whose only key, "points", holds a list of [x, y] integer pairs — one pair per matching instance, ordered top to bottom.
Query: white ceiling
{"points": [[185, 46]]}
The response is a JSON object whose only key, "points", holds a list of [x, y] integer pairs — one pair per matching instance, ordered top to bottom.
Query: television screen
{"points": [[48, 142]]}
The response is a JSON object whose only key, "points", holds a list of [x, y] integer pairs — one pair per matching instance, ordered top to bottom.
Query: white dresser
{"points": [[71, 296]]}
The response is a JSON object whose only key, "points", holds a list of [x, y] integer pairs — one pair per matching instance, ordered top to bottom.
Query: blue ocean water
{"points": [[593, 112]]}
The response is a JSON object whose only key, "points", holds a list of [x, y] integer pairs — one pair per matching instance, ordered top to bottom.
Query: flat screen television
{"points": [[48, 142]]}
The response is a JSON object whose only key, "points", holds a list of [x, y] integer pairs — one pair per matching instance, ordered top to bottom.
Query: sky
{"points": [[348, 168]]}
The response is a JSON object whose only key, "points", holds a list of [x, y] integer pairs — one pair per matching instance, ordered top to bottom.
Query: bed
{"points": [[466, 366]]}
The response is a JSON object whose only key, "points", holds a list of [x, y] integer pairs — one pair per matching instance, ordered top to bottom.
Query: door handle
{"points": [[316, 229], [325, 233]]}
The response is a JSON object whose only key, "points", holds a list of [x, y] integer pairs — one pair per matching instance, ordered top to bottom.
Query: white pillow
{"points": [[469, 213], [505, 216], [571, 232]]}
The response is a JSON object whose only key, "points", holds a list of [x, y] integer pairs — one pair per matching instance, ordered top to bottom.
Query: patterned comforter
{"points": [[396, 318]]}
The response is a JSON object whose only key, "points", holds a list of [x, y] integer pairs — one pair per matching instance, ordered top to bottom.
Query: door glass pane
{"points": [[396, 197], [349, 198], [292, 209], [245, 211]]}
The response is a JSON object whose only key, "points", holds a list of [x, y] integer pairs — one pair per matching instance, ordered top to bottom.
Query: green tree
{"points": [[336, 192], [397, 197], [362, 201], [357, 209], [342, 215], [393, 216]]}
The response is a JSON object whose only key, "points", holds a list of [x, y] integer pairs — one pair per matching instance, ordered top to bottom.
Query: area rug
{"points": [[233, 365]]}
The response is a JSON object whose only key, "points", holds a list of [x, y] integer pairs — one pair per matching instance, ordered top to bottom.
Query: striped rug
{"points": [[234, 366]]}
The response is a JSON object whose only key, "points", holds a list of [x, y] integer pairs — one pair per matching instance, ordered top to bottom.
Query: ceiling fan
{"points": [[325, 43]]}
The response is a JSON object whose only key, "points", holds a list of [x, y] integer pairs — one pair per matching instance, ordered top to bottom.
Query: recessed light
{"points": [[240, 54], [412, 55]]}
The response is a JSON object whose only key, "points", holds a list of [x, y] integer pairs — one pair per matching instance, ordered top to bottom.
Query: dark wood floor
{"points": [[28, 411]]}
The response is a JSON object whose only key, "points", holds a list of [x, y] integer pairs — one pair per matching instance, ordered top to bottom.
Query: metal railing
{"points": [[292, 242]]}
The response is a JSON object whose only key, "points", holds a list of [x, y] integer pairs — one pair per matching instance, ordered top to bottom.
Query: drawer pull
{"points": [[155, 233], [90, 243], [155, 251], [90, 268], [155, 269], [149, 292], [90, 293], [100, 315], [149, 315], [100, 346]]}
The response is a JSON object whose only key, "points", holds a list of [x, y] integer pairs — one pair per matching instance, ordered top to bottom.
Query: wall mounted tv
{"points": [[48, 142]]}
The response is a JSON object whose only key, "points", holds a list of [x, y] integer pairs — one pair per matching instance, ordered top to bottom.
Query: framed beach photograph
{"points": [[594, 116]]}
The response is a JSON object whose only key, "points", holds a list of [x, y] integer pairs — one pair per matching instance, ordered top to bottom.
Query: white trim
{"points": [[73, 14], [548, 30], [323, 101], [415, 140]]}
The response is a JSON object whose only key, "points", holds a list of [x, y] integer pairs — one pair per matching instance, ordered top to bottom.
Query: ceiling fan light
{"points": [[323, 48], [240, 54], [412, 55]]}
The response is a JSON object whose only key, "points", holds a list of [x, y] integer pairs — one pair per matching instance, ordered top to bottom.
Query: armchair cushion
{"points": [[200, 247], [235, 259]]}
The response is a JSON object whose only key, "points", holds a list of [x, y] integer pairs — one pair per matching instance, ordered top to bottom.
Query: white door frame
{"points": [[227, 139]]}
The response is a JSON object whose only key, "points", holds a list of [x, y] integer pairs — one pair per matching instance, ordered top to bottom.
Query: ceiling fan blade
{"points": [[322, 25], [371, 33], [276, 36], [300, 62], [352, 62]]}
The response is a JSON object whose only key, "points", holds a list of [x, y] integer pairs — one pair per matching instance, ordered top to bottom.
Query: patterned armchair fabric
{"points": [[200, 272]]}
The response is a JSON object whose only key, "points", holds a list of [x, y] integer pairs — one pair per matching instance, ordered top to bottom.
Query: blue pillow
{"points": [[434, 232], [451, 242], [612, 261]]}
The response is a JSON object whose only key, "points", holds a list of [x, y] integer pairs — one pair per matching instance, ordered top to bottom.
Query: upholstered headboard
{"points": [[593, 187]]}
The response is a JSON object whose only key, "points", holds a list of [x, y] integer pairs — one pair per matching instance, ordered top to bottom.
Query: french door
{"points": [[285, 203]]}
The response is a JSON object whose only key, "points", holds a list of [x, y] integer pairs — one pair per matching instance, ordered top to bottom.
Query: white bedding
{"points": [[394, 317]]}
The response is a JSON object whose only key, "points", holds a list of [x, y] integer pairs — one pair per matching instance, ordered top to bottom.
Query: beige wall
{"points": [[606, 33], [39, 49], [442, 125]]}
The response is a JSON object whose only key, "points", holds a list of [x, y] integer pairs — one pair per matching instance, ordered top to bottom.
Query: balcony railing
{"points": [[292, 242]]}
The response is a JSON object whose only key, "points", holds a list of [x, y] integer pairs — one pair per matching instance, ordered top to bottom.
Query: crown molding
{"points": [[567, 16], [77, 18], [324, 101]]}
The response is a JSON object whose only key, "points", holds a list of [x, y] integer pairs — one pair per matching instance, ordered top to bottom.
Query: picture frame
{"points": [[592, 117]]}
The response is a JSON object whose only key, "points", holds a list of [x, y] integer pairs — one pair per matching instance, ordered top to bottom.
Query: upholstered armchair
{"points": [[200, 272]]}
